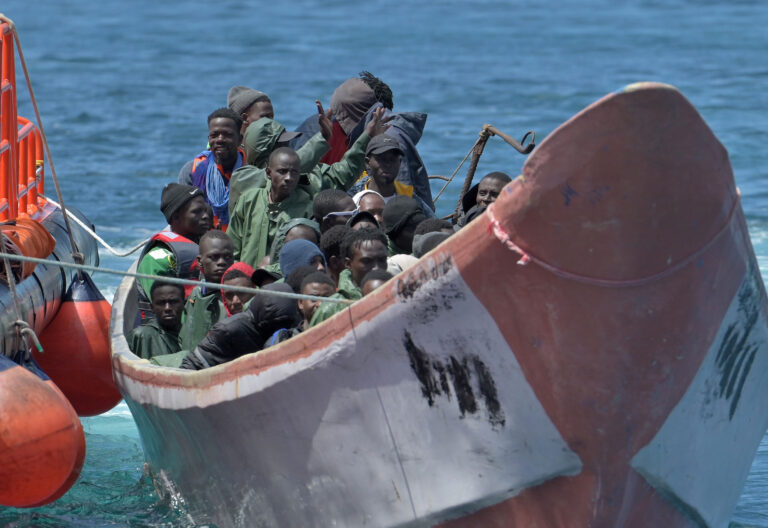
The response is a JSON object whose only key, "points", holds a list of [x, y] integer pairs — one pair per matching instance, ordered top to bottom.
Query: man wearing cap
{"points": [[382, 163], [211, 170], [174, 252]]}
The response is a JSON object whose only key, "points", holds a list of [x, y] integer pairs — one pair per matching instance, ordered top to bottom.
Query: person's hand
{"points": [[324, 120], [378, 124]]}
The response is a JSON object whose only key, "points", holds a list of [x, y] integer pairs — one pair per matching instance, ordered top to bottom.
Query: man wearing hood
{"points": [[352, 105], [247, 331]]}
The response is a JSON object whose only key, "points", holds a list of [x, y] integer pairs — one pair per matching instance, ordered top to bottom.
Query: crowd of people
{"points": [[333, 210]]}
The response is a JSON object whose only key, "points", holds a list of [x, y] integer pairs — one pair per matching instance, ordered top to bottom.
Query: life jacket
{"points": [[185, 252]]}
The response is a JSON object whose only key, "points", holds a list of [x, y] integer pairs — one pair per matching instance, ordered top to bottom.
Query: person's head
{"points": [[381, 91], [251, 105], [224, 136], [262, 137], [382, 162], [283, 173], [490, 186], [370, 202], [332, 207], [185, 210], [401, 216], [362, 220], [432, 225], [303, 232], [423, 244], [330, 245], [364, 250], [300, 252], [216, 255], [238, 274], [296, 277], [373, 279], [317, 284], [167, 304]]}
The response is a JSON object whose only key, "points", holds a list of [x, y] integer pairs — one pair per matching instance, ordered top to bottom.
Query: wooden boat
{"points": [[591, 351]]}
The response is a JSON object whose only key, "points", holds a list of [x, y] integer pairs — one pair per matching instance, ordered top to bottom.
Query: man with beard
{"points": [[211, 170]]}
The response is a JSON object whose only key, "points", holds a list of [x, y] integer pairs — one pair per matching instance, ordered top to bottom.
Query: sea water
{"points": [[124, 89]]}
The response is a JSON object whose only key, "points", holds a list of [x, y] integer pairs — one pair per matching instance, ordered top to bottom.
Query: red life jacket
{"points": [[185, 251]]}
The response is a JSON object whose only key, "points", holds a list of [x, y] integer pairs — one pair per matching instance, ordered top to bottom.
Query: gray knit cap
{"points": [[240, 98]]}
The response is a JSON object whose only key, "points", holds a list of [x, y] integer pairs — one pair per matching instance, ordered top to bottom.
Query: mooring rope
{"points": [[97, 237], [174, 280]]}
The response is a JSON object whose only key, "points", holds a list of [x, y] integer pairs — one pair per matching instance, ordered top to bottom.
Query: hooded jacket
{"points": [[245, 332]]}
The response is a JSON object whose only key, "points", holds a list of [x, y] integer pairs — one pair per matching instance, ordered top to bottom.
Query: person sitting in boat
{"points": [[353, 103], [251, 105], [266, 135], [382, 163], [212, 169], [481, 195], [370, 202], [332, 207], [261, 211], [401, 216], [363, 220], [298, 228], [429, 234], [330, 245], [364, 250], [174, 252], [298, 253], [238, 274], [373, 279], [316, 283], [204, 307], [247, 331], [160, 335]]}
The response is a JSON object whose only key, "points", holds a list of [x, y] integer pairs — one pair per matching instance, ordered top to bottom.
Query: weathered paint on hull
{"points": [[616, 379]]}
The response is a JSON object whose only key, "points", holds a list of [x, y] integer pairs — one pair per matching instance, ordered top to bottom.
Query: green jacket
{"points": [[260, 139], [254, 222], [279, 240], [158, 261], [346, 290], [201, 312], [150, 340]]}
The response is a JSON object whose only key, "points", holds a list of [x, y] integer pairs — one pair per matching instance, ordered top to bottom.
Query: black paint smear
{"points": [[735, 355], [421, 366], [440, 368], [460, 375], [488, 392]]}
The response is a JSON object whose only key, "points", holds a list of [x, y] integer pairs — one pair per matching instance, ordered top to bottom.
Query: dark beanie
{"points": [[240, 98], [174, 196], [399, 212], [296, 253]]}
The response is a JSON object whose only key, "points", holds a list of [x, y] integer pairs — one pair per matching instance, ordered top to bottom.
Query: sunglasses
{"points": [[340, 213]]}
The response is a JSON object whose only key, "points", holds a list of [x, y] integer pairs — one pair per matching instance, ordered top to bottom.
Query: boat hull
{"points": [[589, 352]]}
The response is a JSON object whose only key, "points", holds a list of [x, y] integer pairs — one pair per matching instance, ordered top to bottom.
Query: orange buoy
{"points": [[76, 349], [42, 445]]}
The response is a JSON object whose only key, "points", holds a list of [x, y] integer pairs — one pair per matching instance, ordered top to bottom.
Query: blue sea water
{"points": [[124, 89]]}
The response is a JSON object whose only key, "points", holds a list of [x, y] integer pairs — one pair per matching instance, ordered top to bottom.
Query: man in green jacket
{"points": [[266, 135], [364, 250], [204, 306], [160, 335]]}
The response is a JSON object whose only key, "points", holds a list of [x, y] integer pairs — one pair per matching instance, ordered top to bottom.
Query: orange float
{"points": [[76, 345], [43, 445]]}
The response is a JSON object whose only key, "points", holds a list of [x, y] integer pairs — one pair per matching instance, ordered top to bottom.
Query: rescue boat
{"points": [[590, 351], [43, 444]]}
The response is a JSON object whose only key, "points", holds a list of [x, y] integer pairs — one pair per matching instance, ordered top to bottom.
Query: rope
{"points": [[445, 186], [495, 228], [97, 237], [76, 255], [173, 280], [22, 327]]}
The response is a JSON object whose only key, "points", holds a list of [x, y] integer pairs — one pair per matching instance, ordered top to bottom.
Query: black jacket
{"points": [[245, 332]]}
